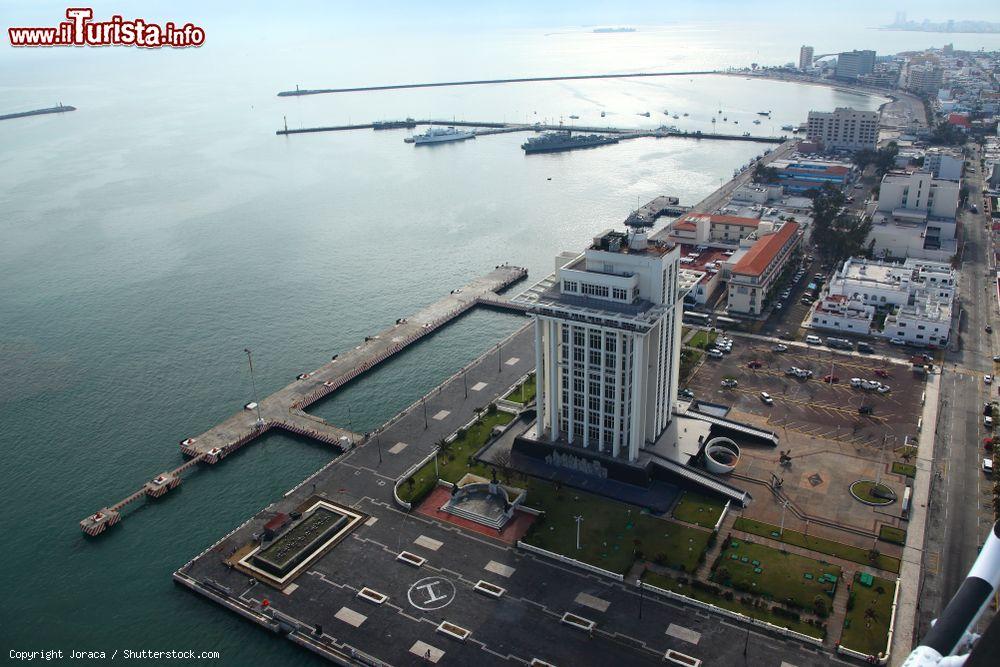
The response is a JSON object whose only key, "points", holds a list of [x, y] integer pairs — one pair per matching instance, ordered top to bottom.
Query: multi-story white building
{"points": [[806, 57], [923, 78], [843, 128], [943, 163], [915, 217], [919, 294], [837, 312], [607, 345]]}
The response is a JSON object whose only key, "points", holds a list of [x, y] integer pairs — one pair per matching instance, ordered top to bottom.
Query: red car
{"points": [[754, 364], [882, 373], [830, 379]]}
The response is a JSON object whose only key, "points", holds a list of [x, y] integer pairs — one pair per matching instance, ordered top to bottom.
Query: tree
{"points": [[947, 134], [763, 174], [837, 233]]}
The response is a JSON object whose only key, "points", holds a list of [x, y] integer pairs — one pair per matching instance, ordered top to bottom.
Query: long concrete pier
{"points": [[480, 82], [37, 112], [495, 127], [284, 409]]}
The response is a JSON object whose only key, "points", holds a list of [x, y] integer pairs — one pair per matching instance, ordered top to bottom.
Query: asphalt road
{"points": [[961, 516]]}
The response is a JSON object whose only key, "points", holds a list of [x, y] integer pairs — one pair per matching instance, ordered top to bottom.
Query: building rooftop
{"points": [[630, 243], [760, 255]]}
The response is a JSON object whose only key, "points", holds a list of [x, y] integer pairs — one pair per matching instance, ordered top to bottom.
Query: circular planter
{"points": [[721, 455], [862, 492]]}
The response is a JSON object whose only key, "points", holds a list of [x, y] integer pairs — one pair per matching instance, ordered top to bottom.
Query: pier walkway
{"points": [[480, 82], [284, 409]]}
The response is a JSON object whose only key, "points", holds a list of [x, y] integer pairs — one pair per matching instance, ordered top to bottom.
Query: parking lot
{"points": [[813, 406]]}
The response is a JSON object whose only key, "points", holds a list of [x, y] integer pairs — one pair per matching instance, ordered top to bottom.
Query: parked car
{"points": [[779, 305], [989, 329], [785, 335], [814, 340], [897, 341], [865, 347], [779, 348], [715, 353], [755, 364], [881, 372], [829, 378], [988, 379], [856, 382], [730, 383], [869, 385], [883, 389], [686, 393], [766, 397], [866, 410], [988, 422], [988, 465]]}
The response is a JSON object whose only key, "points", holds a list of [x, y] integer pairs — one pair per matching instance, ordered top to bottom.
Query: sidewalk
{"points": [[910, 572]]}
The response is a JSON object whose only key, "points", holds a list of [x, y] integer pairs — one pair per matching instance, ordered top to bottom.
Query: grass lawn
{"points": [[703, 339], [689, 359], [523, 393], [453, 464], [907, 469], [864, 490], [699, 509], [609, 530], [891, 534], [820, 544], [782, 576], [760, 613], [868, 635]]}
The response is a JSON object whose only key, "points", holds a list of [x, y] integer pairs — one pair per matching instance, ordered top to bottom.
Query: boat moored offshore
{"points": [[564, 140]]}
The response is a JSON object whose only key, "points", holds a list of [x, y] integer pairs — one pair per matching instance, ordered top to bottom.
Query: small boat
{"points": [[645, 113], [666, 113], [763, 113], [602, 114], [685, 114], [676, 116], [575, 117], [724, 118], [713, 120], [736, 122], [756, 122], [787, 128], [746, 134]]}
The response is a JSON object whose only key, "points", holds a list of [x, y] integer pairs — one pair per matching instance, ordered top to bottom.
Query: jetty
{"points": [[482, 82], [38, 112], [499, 127], [285, 409]]}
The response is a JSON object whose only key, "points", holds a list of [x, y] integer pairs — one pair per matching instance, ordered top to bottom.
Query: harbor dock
{"points": [[494, 127], [285, 409]]}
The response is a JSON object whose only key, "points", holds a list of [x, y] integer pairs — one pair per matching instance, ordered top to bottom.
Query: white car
{"points": [[814, 340], [897, 341], [779, 348], [715, 353], [988, 379], [856, 382], [729, 383], [869, 385], [883, 389], [766, 397], [988, 422], [988, 466]]}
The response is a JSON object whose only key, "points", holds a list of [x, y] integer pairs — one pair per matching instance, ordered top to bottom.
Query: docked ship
{"points": [[393, 124], [787, 128], [436, 135], [564, 140]]}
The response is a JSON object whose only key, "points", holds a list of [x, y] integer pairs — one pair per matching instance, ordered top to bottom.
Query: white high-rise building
{"points": [[805, 57], [844, 128], [607, 345]]}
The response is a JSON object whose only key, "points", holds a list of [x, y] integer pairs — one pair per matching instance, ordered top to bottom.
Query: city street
{"points": [[960, 512]]}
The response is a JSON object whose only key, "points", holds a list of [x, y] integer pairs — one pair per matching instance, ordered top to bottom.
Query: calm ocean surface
{"points": [[150, 236]]}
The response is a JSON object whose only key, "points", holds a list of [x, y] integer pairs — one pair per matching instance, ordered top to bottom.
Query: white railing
{"points": [[722, 517], [570, 561]]}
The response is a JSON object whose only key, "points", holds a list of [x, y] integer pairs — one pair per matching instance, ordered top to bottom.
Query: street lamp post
{"points": [[465, 380], [253, 383], [424, 402], [378, 444], [784, 506], [579, 519]]}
